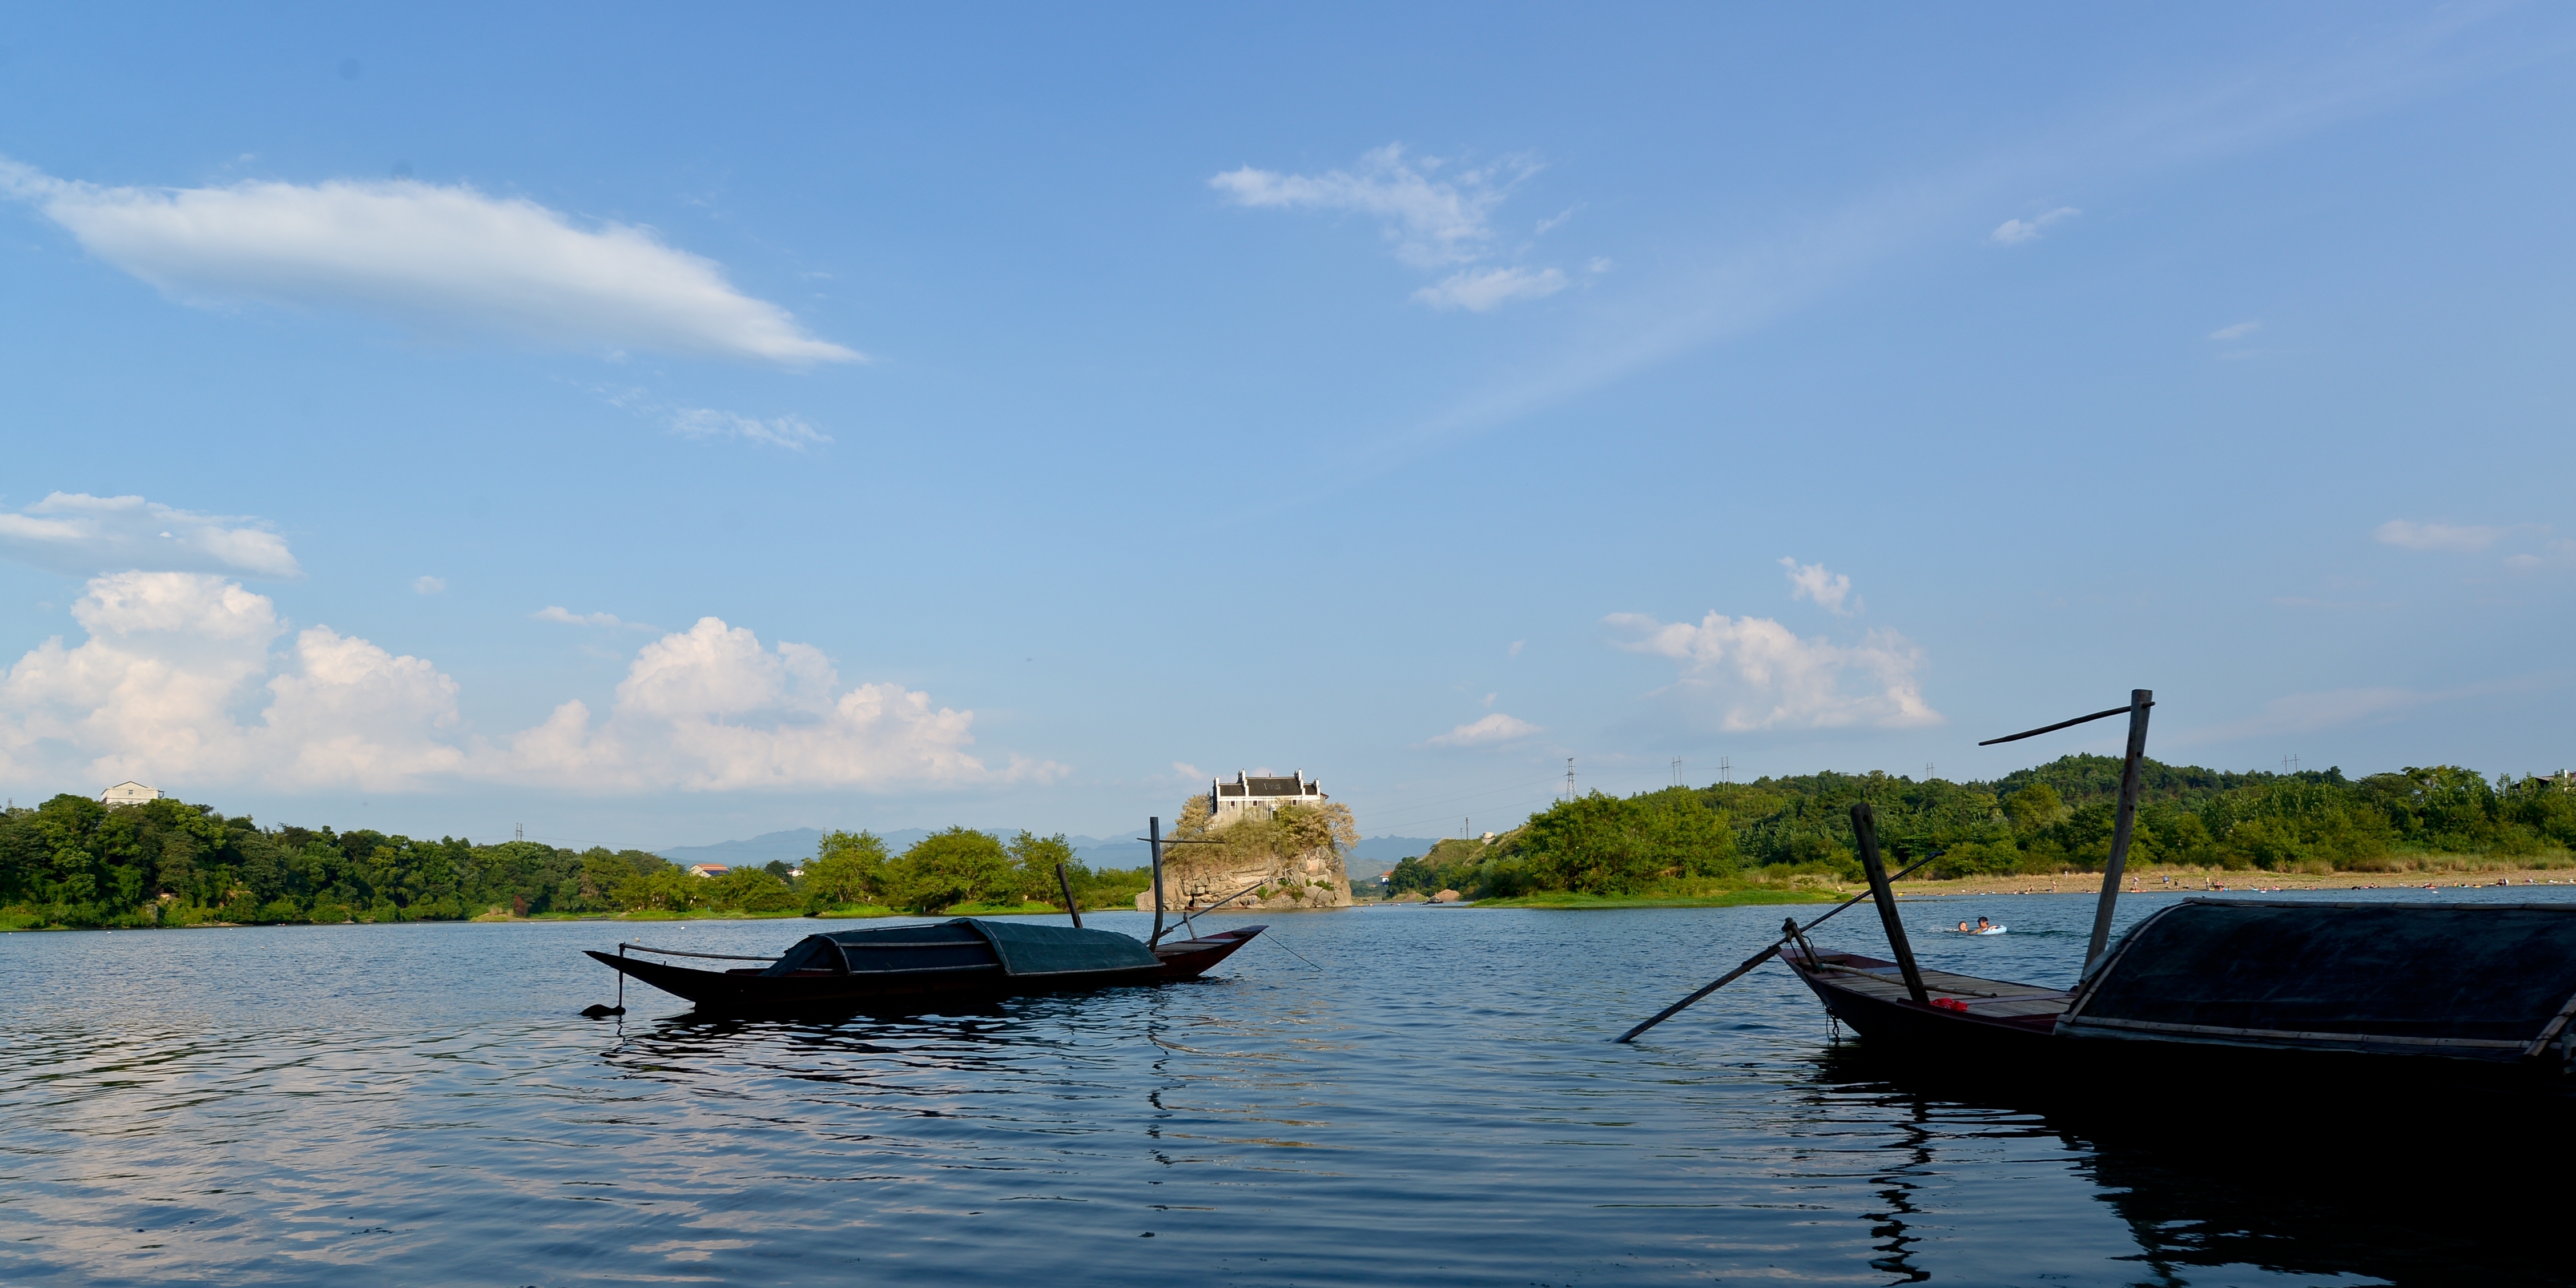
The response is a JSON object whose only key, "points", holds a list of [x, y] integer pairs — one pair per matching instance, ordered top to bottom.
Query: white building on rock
{"points": [[129, 792], [1248, 795]]}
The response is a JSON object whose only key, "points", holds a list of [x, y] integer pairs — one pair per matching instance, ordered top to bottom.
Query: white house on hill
{"points": [[129, 792], [1247, 795], [708, 869]]}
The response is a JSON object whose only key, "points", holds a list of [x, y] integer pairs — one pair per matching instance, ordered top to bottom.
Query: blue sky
{"points": [[654, 425]]}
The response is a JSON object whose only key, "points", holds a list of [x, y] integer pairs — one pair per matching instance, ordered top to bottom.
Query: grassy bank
{"points": [[1720, 899]]}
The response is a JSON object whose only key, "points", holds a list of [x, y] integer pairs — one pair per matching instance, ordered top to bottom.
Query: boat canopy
{"points": [[1019, 948], [2486, 981]]}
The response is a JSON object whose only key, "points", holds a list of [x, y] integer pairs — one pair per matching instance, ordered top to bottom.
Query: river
{"points": [[1376, 1096]]}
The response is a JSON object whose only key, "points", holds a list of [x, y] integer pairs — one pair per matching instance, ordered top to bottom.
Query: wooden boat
{"points": [[912, 967], [2468, 993], [2373, 996]]}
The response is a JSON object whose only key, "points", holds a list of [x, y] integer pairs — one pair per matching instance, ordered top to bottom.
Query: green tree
{"points": [[1037, 857], [959, 865], [848, 869]]}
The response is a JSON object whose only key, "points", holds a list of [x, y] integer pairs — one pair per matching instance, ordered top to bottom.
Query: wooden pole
{"points": [[2139, 701], [1865, 830], [1154, 834], [1065, 883]]}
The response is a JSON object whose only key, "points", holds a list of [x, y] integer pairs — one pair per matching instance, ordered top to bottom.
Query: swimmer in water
{"points": [[1984, 925], [1963, 929]]}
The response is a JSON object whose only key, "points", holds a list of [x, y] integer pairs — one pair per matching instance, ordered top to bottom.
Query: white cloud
{"points": [[1432, 222], [2013, 232], [424, 255], [1482, 290], [2236, 332], [790, 432], [77, 533], [2464, 538], [2557, 554], [428, 585], [1827, 590], [558, 613], [1515, 649], [1757, 674], [176, 686], [709, 709], [2307, 712], [1492, 729], [1187, 770]]}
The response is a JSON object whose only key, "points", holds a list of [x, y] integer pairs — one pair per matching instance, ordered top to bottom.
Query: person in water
{"points": [[1984, 925], [1963, 929]]}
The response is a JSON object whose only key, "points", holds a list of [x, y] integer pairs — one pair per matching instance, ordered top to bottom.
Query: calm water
{"points": [[1376, 1096]]}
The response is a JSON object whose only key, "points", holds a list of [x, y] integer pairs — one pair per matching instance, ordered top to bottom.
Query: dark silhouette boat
{"points": [[968, 959], [2456, 992]]}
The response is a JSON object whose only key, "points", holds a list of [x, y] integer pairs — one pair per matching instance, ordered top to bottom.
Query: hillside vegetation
{"points": [[2054, 817], [74, 862]]}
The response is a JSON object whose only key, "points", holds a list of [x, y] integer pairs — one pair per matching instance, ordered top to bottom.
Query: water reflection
{"points": [[2216, 1181]]}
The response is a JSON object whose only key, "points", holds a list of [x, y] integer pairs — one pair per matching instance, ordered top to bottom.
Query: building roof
{"points": [[1276, 786]]}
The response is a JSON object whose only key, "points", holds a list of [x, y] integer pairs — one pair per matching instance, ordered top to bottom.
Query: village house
{"points": [[129, 792], [1248, 795], [708, 869]]}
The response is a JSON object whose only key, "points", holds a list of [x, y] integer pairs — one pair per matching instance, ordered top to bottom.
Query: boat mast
{"points": [[2139, 701], [1865, 830], [1154, 836]]}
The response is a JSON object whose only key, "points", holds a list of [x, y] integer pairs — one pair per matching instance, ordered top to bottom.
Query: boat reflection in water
{"points": [[2285, 1180]]}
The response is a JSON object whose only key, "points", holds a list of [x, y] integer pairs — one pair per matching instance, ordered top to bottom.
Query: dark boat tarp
{"points": [[1020, 948], [1030, 948], [2448, 979]]}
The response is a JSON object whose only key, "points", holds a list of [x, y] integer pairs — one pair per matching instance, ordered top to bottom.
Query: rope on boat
{"points": [[678, 952]]}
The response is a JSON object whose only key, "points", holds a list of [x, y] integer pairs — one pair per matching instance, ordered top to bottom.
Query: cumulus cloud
{"points": [[1432, 220], [2013, 232], [424, 255], [1485, 289], [2236, 332], [74, 532], [2463, 538], [428, 585], [1827, 590], [1756, 674], [177, 685], [709, 709], [1492, 729]]}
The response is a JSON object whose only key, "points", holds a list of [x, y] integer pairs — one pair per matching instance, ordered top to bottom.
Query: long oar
{"points": [[1758, 958]]}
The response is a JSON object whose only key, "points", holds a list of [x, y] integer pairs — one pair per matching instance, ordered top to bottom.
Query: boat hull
{"points": [[734, 991], [2027, 1055]]}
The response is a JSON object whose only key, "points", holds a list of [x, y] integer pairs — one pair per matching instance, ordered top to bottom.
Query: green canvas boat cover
{"points": [[1021, 948], [1027, 948], [2479, 980]]}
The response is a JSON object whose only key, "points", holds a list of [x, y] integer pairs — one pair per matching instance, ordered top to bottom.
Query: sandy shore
{"points": [[2196, 881]]}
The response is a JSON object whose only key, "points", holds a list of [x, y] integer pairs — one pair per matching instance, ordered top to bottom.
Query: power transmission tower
{"points": [[1725, 769], [1677, 771], [1930, 773], [1569, 778], [518, 831]]}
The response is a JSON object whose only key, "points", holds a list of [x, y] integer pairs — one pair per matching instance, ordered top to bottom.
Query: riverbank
{"points": [[2173, 880], [1726, 899]]}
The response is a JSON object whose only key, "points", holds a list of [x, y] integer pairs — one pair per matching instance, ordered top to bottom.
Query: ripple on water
{"points": [[1412, 1094]]}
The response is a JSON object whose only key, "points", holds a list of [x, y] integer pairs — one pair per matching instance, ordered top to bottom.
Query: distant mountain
{"points": [[1096, 852]]}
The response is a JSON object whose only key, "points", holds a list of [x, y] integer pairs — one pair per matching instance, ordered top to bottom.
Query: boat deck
{"points": [[1992, 999]]}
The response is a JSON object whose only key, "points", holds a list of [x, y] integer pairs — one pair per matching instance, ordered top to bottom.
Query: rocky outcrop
{"points": [[1313, 879]]}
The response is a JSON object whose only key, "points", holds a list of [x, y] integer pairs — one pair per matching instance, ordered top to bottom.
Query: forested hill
{"points": [[2044, 819]]}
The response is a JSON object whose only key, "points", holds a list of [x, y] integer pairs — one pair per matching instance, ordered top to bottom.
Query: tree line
{"points": [[2049, 818], [73, 861]]}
